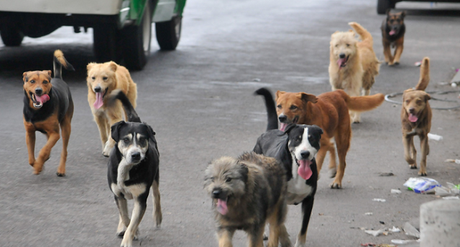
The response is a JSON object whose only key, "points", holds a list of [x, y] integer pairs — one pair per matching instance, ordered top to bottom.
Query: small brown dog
{"points": [[393, 30], [102, 79], [48, 108], [416, 119], [246, 192]]}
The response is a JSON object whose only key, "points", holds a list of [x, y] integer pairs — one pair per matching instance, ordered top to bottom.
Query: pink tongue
{"points": [[392, 32], [341, 61], [42, 99], [98, 103], [413, 118], [283, 126], [304, 169], [222, 207]]}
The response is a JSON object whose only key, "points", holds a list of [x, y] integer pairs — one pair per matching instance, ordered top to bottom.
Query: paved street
{"points": [[199, 101]]}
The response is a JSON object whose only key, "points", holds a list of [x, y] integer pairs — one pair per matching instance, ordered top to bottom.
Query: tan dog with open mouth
{"points": [[353, 64], [102, 79], [416, 119]]}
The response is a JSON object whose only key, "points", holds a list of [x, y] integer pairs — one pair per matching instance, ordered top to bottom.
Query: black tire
{"points": [[383, 5], [168, 33], [11, 36], [136, 41], [106, 44]]}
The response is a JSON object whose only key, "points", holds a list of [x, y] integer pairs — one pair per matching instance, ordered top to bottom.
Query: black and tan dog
{"points": [[393, 30], [48, 108], [416, 119], [295, 147], [132, 169], [246, 192]]}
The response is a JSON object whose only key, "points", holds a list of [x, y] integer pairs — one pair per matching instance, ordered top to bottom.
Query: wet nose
{"points": [[342, 55], [97, 89], [38, 91], [411, 110], [282, 118], [305, 154], [136, 156], [216, 192]]}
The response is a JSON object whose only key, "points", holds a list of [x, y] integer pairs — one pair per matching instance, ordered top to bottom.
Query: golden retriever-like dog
{"points": [[353, 64], [102, 79], [416, 119]]}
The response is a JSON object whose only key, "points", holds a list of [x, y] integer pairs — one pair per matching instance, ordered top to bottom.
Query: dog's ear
{"points": [[388, 13], [403, 14], [89, 66], [113, 66], [48, 72], [24, 77], [279, 93], [308, 97], [427, 97], [289, 127], [318, 128], [115, 129], [151, 132], [244, 170]]}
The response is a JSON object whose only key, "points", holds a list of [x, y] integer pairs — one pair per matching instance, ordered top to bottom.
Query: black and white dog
{"points": [[296, 148], [132, 169]]}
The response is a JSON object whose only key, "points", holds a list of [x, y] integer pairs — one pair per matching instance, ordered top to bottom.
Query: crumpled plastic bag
{"points": [[421, 185]]}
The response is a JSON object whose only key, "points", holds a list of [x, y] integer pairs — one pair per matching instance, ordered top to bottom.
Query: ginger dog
{"points": [[393, 29], [353, 64], [102, 79], [329, 111], [416, 119]]}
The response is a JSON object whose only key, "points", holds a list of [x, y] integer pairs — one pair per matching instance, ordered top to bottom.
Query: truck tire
{"points": [[383, 5], [168, 33], [11, 36], [136, 41], [106, 44]]}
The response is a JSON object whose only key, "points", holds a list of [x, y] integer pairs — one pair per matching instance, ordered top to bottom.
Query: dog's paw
{"points": [[396, 63], [414, 166], [332, 172], [60, 174], [423, 174], [336, 185], [121, 234]]}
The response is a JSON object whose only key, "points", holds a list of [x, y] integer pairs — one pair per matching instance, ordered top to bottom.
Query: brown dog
{"points": [[393, 29], [352, 63], [102, 79], [48, 108], [329, 111], [416, 119]]}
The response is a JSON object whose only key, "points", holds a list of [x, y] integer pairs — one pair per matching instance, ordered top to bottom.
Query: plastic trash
{"points": [[434, 137], [456, 161], [421, 185], [449, 190], [395, 191], [451, 198], [379, 200], [368, 213], [395, 229], [411, 230], [375, 233], [401, 241]]}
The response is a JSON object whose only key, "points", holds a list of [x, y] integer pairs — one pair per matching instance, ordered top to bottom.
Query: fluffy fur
{"points": [[393, 30], [353, 64], [102, 79], [48, 108], [416, 119], [246, 192]]}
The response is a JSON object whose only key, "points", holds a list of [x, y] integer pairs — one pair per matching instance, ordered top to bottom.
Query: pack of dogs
{"points": [[284, 165]]}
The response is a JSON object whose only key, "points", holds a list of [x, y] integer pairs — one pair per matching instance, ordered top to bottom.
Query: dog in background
{"points": [[393, 29], [353, 64], [102, 79], [48, 108], [329, 111], [416, 119], [295, 148], [132, 169], [246, 192]]}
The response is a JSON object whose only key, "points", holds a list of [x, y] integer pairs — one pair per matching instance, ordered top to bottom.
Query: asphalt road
{"points": [[199, 101]]}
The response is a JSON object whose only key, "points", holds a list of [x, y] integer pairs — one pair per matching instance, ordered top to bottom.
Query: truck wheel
{"points": [[383, 5], [168, 33], [11, 36], [106, 41], [136, 41]]}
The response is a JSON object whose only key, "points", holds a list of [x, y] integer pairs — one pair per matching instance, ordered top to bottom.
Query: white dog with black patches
{"points": [[133, 168]]}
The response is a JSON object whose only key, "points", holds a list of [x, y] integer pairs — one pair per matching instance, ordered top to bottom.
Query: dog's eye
{"points": [[337, 45], [348, 45], [93, 78], [104, 78], [32, 81], [45, 82], [407, 101], [418, 102], [279, 106], [293, 107], [126, 140], [228, 180]]}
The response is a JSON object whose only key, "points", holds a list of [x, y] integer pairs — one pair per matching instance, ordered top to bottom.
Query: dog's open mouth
{"points": [[392, 32], [342, 62], [100, 99], [37, 100], [413, 118], [283, 125], [304, 169], [221, 206]]}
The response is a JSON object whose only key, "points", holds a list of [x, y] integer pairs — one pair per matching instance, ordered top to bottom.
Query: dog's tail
{"points": [[361, 31], [59, 61], [424, 74], [362, 103], [129, 109], [272, 118]]}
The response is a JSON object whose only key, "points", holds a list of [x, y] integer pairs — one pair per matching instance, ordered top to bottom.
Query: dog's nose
{"points": [[342, 55], [97, 89], [38, 91], [411, 110], [282, 118], [305, 154], [136, 156], [216, 192]]}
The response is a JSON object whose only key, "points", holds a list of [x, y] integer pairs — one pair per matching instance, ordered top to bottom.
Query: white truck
{"points": [[121, 28]]}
